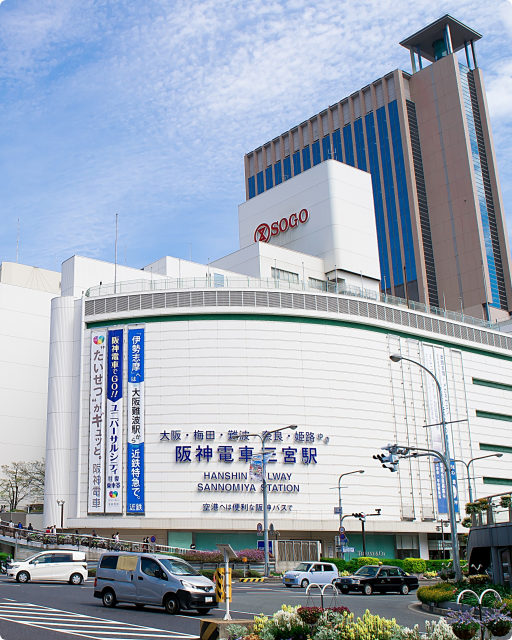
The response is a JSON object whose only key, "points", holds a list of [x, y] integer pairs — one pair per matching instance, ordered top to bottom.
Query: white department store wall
{"points": [[24, 347], [218, 372]]}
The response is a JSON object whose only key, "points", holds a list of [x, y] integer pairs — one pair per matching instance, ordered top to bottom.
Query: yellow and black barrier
{"points": [[252, 579]]}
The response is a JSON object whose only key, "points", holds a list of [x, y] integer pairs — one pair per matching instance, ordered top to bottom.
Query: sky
{"points": [[146, 110]]}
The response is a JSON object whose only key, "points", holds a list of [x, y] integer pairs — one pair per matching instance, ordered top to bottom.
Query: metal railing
{"points": [[170, 284], [495, 513]]}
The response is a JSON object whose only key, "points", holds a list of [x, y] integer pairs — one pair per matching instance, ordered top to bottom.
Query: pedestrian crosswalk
{"points": [[84, 626]]}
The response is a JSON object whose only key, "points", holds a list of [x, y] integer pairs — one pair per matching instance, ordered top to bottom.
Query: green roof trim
{"points": [[265, 317], [493, 385], [493, 416], [499, 448], [504, 482]]}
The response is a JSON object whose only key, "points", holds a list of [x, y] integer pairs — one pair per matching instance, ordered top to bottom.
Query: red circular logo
{"points": [[262, 233]]}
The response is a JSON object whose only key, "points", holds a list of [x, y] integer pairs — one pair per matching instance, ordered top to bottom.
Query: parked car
{"points": [[68, 566], [310, 572], [371, 578], [151, 579]]}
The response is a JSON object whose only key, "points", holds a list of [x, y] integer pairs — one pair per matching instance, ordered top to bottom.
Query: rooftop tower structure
{"points": [[426, 139]]}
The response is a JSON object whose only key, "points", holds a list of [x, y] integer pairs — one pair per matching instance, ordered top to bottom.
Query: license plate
{"points": [[288, 580], [208, 599]]}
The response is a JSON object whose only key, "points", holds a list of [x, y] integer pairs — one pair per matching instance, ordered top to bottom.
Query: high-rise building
{"points": [[426, 139]]}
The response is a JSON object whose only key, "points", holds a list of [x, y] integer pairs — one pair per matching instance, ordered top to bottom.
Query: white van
{"points": [[68, 566], [310, 573]]}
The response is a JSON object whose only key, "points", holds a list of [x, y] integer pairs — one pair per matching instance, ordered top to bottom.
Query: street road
{"points": [[55, 611]]}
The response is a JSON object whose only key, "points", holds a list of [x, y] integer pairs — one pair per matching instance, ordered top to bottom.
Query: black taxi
{"points": [[371, 578]]}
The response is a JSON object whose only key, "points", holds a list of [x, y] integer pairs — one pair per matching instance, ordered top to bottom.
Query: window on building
{"points": [[359, 136], [336, 145], [349, 145], [326, 148], [316, 153], [306, 158], [296, 163], [287, 168], [278, 173], [268, 177], [259, 182], [252, 187], [281, 274], [218, 280], [314, 283], [407, 547]]}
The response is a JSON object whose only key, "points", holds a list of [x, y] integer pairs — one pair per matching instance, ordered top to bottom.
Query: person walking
{"points": [[20, 525], [30, 527]]}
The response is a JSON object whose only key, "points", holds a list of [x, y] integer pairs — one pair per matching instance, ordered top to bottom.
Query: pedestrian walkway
{"points": [[80, 625]]}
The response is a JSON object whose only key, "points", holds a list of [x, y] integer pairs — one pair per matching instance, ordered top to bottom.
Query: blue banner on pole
{"points": [[135, 488], [442, 494]]}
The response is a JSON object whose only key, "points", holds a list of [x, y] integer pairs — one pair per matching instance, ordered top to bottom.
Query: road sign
{"points": [[338, 511], [259, 528], [342, 529], [347, 549]]}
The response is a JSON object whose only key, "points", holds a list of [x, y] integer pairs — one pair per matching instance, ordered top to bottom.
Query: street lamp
{"points": [[396, 357], [263, 439], [466, 464], [339, 497], [61, 505]]}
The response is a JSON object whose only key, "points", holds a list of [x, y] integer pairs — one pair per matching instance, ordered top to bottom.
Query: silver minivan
{"points": [[152, 579]]}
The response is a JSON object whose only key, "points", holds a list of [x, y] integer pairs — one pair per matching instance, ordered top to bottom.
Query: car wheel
{"points": [[22, 577], [76, 578], [304, 584], [367, 590], [404, 590], [109, 598], [172, 605], [139, 606], [203, 612]]}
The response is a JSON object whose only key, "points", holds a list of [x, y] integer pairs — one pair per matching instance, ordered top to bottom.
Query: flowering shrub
{"points": [[252, 555], [436, 593], [311, 615], [463, 621], [497, 623], [286, 624], [440, 630], [236, 631]]}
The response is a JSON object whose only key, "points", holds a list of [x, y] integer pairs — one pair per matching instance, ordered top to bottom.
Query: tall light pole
{"points": [[264, 438], [466, 464], [449, 486], [339, 497]]}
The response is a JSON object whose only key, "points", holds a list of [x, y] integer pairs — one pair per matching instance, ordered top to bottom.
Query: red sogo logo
{"points": [[264, 232]]}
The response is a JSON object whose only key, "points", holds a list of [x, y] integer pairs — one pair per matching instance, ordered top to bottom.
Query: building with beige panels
{"points": [[426, 139]]}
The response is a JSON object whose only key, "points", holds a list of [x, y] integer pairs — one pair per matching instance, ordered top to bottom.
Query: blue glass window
{"points": [[359, 135], [336, 143], [349, 146], [326, 148], [316, 153], [373, 156], [306, 158], [296, 163], [287, 168], [278, 173], [268, 178], [259, 182], [252, 187], [401, 187], [389, 195], [482, 201]]}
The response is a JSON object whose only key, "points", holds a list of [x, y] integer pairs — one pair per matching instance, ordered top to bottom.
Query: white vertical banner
{"points": [[440, 372], [434, 412], [114, 422], [96, 499]]}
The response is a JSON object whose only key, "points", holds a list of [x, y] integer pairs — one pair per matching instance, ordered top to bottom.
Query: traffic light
{"points": [[390, 461], [222, 585]]}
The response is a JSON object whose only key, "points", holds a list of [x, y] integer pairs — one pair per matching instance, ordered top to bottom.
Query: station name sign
{"points": [[264, 231]]}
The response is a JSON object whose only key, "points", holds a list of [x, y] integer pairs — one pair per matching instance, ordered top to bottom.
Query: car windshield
{"points": [[30, 558], [303, 566], [179, 567], [367, 571]]}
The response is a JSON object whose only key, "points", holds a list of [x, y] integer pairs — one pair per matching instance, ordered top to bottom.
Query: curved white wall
{"points": [[59, 424]]}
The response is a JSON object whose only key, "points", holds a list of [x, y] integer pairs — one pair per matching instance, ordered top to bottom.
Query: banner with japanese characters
{"points": [[135, 399], [114, 422], [96, 498]]}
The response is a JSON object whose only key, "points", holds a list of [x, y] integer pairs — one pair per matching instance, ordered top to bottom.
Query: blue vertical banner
{"points": [[114, 422], [135, 475], [442, 494]]}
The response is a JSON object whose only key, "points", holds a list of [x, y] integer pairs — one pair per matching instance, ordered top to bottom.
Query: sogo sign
{"points": [[264, 232]]}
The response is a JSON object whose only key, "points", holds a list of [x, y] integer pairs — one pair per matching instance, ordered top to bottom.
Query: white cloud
{"points": [[147, 109]]}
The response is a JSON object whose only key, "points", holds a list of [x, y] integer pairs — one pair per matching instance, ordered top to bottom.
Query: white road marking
{"points": [[77, 624]]}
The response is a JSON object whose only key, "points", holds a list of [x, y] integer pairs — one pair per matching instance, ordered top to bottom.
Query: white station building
{"points": [[157, 378]]}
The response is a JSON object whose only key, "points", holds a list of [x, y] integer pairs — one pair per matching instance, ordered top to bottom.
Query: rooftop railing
{"points": [[169, 284]]}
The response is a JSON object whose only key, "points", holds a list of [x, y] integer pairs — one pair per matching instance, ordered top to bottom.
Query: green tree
{"points": [[20, 480]]}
